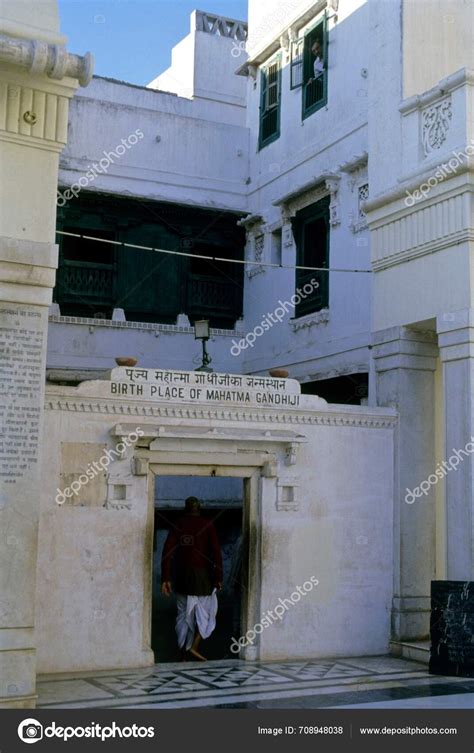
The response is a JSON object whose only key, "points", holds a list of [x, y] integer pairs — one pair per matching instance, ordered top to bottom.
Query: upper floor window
{"points": [[309, 65], [270, 98], [311, 232]]}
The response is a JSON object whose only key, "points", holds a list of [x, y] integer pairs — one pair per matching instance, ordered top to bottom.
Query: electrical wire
{"points": [[213, 258]]}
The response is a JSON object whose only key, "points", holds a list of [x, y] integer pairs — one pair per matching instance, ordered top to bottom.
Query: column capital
{"points": [[404, 348]]}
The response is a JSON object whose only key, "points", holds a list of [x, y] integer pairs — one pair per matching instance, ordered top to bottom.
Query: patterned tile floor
{"points": [[316, 683]]}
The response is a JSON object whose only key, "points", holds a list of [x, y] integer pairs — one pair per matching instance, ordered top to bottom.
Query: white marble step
{"points": [[413, 650]]}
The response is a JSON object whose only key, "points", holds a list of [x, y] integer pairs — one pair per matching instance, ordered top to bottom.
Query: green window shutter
{"points": [[307, 59], [296, 65], [273, 85], [263, 90], [270, 102], [148, 286]]}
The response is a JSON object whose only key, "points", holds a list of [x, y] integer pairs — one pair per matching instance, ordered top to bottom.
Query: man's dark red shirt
{"points": [[193, 545]]}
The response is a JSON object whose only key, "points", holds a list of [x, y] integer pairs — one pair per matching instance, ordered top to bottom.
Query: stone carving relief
{"points": [[435, 125]]}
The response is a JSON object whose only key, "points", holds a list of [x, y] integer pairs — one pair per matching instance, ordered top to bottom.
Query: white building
{"points": [[341, 138], [303, 146], [202, 147]]}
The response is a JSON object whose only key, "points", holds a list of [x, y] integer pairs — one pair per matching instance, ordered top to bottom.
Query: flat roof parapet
{"points": [[219, 25]]}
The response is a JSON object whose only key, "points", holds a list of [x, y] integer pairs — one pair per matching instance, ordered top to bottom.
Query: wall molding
{"points": [[446, 85], [425, 229], [464, 236], [310, 320], [150, 326], [101, 406]]}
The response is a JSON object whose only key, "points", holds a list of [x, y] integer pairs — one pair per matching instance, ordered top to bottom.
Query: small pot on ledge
{"points": [[126, 361], [278, 373]]}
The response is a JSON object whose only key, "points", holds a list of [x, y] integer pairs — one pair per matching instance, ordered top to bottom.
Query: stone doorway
{"points": [[222, 500], [243, 517]]}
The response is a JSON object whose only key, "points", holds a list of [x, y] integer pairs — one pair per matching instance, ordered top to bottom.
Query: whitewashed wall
{"points": [[332, 136], [195, 161], [96, 345], [94, 562]]}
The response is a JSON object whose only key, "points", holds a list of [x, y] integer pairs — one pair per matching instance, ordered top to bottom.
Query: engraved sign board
{"points": [[22, 335], [199, 387]]}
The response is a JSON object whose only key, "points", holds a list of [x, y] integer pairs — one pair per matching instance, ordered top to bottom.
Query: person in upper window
{"points": [[318, 62]]}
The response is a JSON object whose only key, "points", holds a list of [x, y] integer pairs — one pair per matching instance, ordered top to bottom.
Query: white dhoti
{"points": [[195, 612]]}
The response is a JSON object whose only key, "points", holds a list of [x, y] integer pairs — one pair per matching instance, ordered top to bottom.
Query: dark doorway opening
{"points": [[351, 389], [222, 503]]}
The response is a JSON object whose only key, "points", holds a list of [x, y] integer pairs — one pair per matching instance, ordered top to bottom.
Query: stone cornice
{"points": [[24, 31], [445, 86], [412, 184], [454, 239], [376, 419]]}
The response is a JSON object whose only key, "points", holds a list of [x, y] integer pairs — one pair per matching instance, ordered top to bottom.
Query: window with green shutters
{"points": [[304, 74], [270, 99], [311, 233]]}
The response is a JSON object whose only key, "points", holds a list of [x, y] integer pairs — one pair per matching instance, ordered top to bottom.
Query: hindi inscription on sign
{"points": [[192, 386], [21, 389]]}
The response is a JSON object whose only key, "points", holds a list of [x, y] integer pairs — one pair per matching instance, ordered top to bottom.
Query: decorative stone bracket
{"points": [[124, 445], [140, 466]]}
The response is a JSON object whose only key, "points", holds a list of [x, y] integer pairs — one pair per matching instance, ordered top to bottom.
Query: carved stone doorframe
{"points": [[251, 530]]}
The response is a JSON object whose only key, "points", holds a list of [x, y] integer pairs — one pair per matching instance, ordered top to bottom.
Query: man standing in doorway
{"points": [[194, 546]]}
